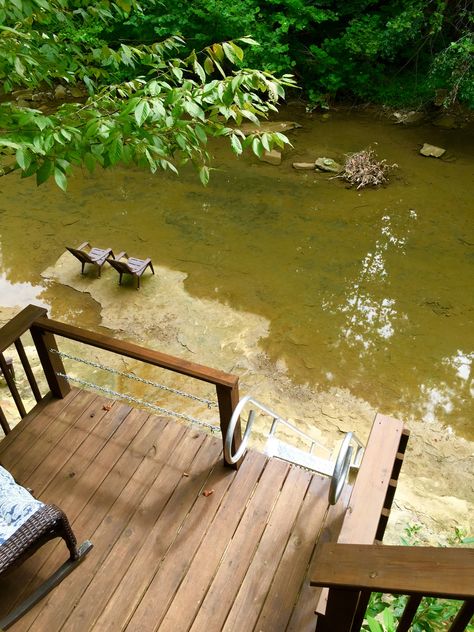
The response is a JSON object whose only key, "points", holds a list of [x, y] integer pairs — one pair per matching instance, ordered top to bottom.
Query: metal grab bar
{"points": [[233, 458], [338, 470]]}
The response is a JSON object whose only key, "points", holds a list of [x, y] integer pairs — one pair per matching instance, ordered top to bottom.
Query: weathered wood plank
{"points": [[19, 324], [44, 412], [158, 448], [28, 451], [368, 496], [132, 530], [152, 530], [172, 543], [203, 567], [390, 569], [291, 572], [257, 581], [220, 596], [303, 618]]}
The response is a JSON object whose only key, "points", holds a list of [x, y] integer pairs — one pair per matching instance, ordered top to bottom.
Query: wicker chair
{"points": [[44, 522]]}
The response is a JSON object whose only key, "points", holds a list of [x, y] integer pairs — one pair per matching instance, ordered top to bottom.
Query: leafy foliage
{"points": [[396, 52], [148, 104], [433, 615]]}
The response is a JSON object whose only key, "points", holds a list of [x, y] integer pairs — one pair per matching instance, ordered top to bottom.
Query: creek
{"points": [[368, 295]]}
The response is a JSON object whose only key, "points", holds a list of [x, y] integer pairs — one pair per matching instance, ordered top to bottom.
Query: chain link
{"points": [[136, 400], [209, 403]]}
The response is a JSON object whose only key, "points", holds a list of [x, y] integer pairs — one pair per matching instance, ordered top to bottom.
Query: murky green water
{"points": [[369, 290]]}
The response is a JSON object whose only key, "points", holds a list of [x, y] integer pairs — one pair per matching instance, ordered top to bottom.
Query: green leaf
{"points": [[248, 40], [229, 52], [239, 53], [208, 66], [19, 67], [199, 70], [194, 110], [141, 112], [200, 133], [265, 141], [8, 143], [236, 145], [257, 147], [115, 151], [23, 158], [89, 161], [44, 172], [204, 175], [60, 178], [374, 625]]}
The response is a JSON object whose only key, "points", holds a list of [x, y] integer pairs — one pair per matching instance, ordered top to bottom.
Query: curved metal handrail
{"points": [[346, 457], [233, 458]]}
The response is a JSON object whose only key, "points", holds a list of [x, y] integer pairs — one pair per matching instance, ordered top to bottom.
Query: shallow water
{"points": [[370, 290]]}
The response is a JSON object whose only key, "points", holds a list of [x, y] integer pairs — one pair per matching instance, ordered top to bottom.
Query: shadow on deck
{"points": [[168, 555]]}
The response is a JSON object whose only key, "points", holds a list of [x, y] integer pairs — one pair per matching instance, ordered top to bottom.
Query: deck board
{"points": [[166, 558]]}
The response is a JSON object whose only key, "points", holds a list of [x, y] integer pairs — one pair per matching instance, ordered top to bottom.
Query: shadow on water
{"points": [[370, 290]]}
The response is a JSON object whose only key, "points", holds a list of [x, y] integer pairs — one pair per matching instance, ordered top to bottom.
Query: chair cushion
{"points": [[16, 505]]}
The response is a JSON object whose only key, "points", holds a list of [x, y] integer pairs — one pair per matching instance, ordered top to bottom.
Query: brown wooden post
{"points": [[51, 362], [27, 368], [12, 386], [228, 398], [4, 423], [340, 610], [409, 613], [463, 617]]}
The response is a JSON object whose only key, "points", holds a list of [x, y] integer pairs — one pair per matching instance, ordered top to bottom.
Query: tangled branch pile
{"points": [[364, 169]]}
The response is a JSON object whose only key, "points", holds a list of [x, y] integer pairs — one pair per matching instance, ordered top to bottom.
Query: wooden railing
{"points": [[44, 332], [350, 569], [354, 571]]}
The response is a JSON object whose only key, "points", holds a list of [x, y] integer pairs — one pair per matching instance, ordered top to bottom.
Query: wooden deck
{"points": [[167, 555]]}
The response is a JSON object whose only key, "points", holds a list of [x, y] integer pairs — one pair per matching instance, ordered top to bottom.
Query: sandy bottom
{"points": [[436, 486]]}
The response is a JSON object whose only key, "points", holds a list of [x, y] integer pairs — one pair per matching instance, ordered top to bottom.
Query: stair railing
{"points": [[349, 455]]}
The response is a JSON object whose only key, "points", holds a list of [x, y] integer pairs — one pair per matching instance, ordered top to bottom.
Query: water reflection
{"points": [[19, 294], [370, 315]]}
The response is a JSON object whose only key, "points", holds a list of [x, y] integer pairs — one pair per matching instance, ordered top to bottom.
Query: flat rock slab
{"points": [[431, 151], [273, 157], [328, 164], [304, 166]]}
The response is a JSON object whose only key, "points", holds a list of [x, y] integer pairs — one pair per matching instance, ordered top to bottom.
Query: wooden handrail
{"points": [[19, 325], [43, 331], [136, 352], [363, 523], [408, 570]]}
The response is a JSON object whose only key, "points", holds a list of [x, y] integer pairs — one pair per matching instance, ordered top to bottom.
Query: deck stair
{"points": [[348, 457]]}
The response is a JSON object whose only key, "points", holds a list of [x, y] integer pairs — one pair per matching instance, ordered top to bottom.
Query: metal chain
{"points": [[136, 400], [209, 403]]}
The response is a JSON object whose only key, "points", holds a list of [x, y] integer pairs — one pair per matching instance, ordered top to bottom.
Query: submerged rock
{"points": [[408, 118], [431, 151], [273, 157], [328, 164], [304, 166]]}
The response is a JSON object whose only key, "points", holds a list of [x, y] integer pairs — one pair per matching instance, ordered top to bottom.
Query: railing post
{"points": [[51, 362], [228, 398], [4, 423], [340, 611]]}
